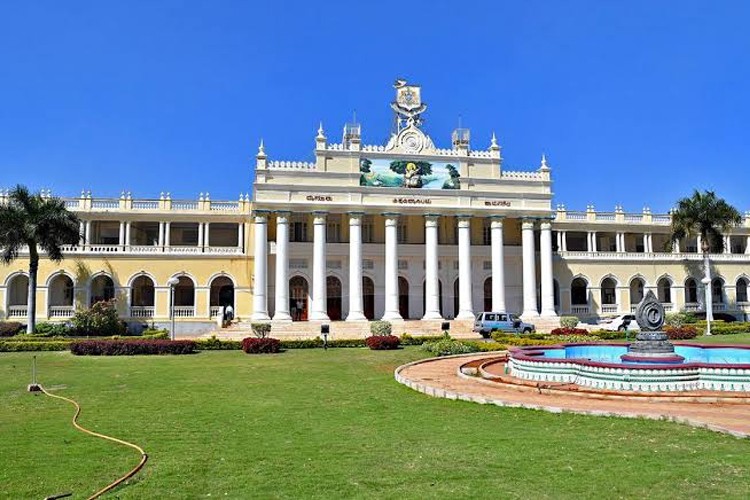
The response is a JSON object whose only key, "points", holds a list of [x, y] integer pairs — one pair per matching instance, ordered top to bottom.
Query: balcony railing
{"points": [[669, 256], [692, 307], [610, 308], [578, 309], [18, 311], [141, 311], [184, 311], [214, 311], [60, 312]]}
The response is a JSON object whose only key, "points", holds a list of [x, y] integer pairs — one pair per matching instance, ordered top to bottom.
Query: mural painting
{"points": [[408, 174]]}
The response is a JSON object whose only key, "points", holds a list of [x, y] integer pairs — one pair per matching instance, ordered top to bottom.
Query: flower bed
{"points": [[681, 332], [382, 342], [265, 345], [131, 347]]}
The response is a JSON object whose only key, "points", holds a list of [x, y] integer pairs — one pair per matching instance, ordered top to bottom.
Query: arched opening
{"points": [[102, 289], [664, 290], [741, 290], [556, 291], [609, 291], [636, 291], [691, 291], [717, 291], [579, 293], [488, 294], [18, 296], [221, 296], [60, 297], [142, 297], [184, 297], [403, 297], [440, 297], [298, 298], [368, 298], [455, 298], [333, 301]]}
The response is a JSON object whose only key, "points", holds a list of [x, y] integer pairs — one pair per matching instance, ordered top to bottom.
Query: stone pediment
{"points": [[411, 141]]}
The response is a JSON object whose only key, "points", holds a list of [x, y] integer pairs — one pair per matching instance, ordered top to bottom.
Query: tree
{"points": [[365, 165], [399, 166], [706, 216], [38, 223]]}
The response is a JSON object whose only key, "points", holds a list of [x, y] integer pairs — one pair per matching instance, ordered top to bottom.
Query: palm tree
{"points": [[706, 216], [38, 223]]}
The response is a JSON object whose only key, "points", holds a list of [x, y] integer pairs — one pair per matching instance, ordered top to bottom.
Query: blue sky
{"points": [[634, 102]]}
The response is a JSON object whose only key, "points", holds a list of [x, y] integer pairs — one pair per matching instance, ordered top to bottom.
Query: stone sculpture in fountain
{"points": [[651, 344]]}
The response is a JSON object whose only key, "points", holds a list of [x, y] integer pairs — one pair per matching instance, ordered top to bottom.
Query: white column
{"points": [[81, 233], [87, 233], [127, 233], [167, 233], [200, 233], [161, 234], [206, 235], [241, 235], [121, 239], [559, 241], [564, 241], [593, 241], [619, 242], [645, 243], [699, 244], [727, 244], [747, 245], [676, 246], [545, 253], [498, 264], [282, 268], [391, 268], [260, 269], [529, 270], [431, 283], [465, 303], [319, 306], [356, 308]]}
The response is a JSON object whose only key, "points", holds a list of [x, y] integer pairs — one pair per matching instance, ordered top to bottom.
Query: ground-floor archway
{"points": [[102, 289], [299, 293], [488, 294], [368, 297], [403, 297], [334, 298]]}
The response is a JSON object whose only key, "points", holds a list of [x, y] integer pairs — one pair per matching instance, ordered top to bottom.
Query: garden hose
{"points": [[134, 471]]}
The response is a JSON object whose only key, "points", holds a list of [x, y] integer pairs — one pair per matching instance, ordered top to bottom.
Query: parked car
{"points": [[488, 322], [619, 323]]}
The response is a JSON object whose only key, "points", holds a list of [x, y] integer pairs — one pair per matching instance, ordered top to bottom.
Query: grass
{"points": [[738, 338], [309, 423]]}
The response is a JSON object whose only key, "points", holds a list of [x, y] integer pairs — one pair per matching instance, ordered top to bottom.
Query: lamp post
{"points": [[172, 282]]}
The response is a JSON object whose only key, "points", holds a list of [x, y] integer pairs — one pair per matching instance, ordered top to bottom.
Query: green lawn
{"points": [[739, 338], [309, 423]]}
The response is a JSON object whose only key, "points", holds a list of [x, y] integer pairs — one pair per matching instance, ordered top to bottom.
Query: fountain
{"points": [[651, 344]]}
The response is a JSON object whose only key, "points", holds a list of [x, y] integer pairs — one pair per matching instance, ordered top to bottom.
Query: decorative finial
{"points": [[321, 135], [493, 142], [261, 149], [544, 167], [122, 195], [161, 195], [169, 195], [207, 196], [200, 197]]}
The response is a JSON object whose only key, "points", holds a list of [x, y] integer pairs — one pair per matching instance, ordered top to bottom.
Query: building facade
{"points": [[399, 231]]}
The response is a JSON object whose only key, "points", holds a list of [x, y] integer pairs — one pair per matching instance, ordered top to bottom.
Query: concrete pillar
{"points": [[545, 251], [498, 264], [282, 268], [391, 268], [260, 269], [529, 270], [432, 283], [465, 302], [356, 307], [319, 309]]}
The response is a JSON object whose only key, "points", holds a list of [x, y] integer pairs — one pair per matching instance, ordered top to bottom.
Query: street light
{"points": [[172, 282]]}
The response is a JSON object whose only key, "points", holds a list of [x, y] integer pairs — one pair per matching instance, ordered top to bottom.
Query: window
{"points": [[367, 229], [299, 230], [333, 232], [401, 232], [486, 233], [742, 290], [691, 291], [490, 317], [502, 317]]}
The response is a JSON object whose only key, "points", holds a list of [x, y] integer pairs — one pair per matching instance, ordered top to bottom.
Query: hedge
{"points": [[10, 328], [569, 331], [681, 332], [382, 342], [261, 345], [34, 346], [131, 347]]}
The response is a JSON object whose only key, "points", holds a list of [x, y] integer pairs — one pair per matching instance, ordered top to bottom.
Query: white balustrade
{"points": [[72, 203], [105, 204], [145, 204], [184, 205], [225, 206], [104, 248], [144, 248], [183, 250], [718, 306], [668, 307], [692, 307], [610, 308], [579, 309], [18, 311], [60, 311], [142, 311], [184, 311], [214, 311]]}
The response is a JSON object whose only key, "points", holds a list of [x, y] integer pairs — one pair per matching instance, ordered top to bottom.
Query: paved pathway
{"points": [[439, 378]]}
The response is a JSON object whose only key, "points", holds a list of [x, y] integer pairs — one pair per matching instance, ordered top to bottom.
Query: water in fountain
{"points": [[651, 344]]}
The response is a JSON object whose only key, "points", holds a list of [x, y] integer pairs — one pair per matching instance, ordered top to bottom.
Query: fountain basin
{"points": [[607, 367]]}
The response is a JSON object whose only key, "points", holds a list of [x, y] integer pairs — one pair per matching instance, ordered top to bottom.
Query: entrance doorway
{"points": [[333, 292], [368, 297], [403, 297], [298, 298]]}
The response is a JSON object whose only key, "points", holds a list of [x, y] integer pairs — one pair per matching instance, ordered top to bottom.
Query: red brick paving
{"points": [[440, 378]]}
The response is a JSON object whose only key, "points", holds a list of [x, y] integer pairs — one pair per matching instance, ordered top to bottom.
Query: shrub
{"points": [[679, 319], [100, 320], [569, 321], [10, 328], [380, 328], [47, 329], [729, 329], [261, 330], [569, 331], [681, 332], [156, 333], [609, 334], [501, 336], [407, 339], [572, 339], [526, 340], [382, 342], [214, 344], [261, 345], [34, 346], [447, 346], [485, 346], [131, 347]]}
